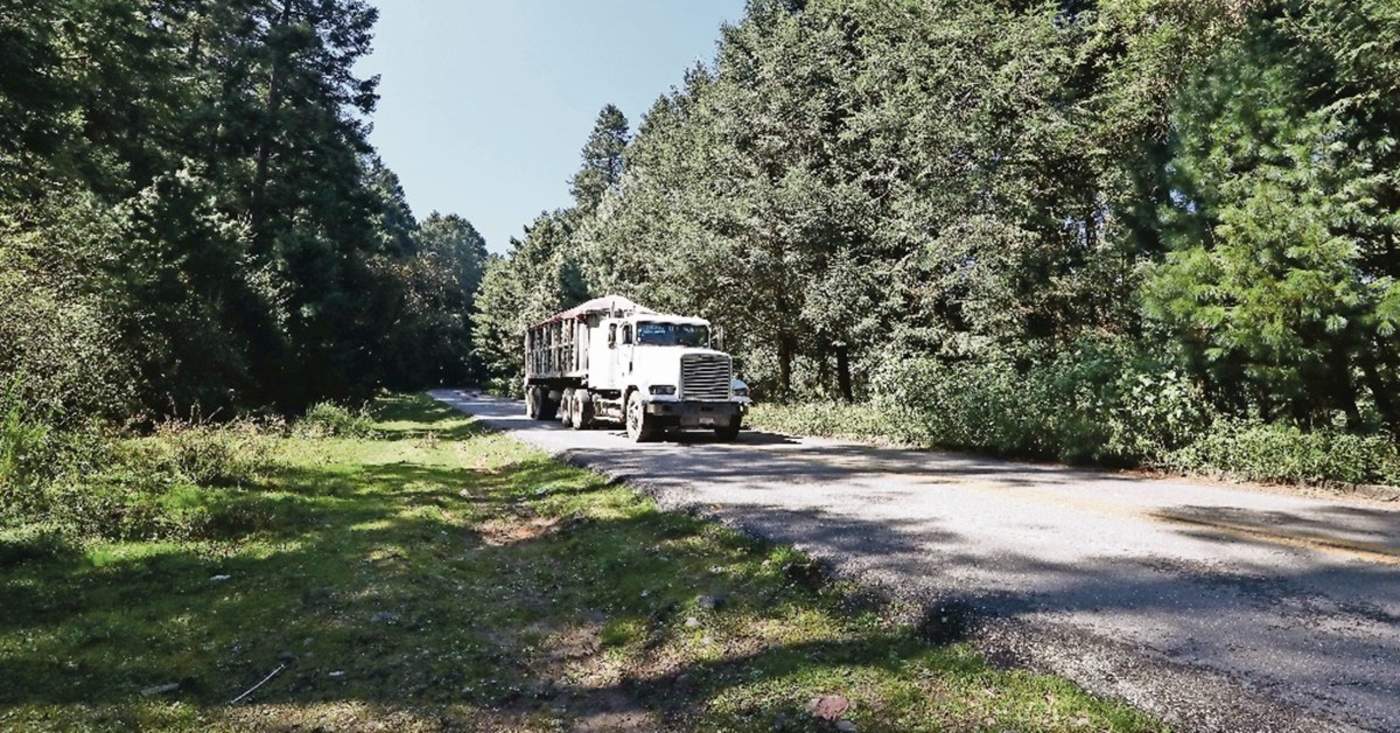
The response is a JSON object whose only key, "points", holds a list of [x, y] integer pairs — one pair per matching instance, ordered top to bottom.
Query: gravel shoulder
{"points": [[1215, 607]]}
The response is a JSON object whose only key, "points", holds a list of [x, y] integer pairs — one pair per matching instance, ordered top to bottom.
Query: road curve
{"points": [[1217, 608]]}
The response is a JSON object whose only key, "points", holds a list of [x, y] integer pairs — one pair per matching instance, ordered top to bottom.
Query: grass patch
{"points": [[857, 420], [436, 576]]}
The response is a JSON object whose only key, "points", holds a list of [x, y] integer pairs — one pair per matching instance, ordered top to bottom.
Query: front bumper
{"points": [[695, 414]]}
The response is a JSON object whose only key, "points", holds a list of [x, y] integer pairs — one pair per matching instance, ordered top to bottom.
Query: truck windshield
{"points": [[673, 334]]}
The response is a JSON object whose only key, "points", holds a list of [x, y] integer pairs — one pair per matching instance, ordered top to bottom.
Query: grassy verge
{"points": [[855, 421], [432, 576]]}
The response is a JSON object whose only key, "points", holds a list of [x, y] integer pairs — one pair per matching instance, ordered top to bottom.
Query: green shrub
{"points": [[1100, 402], [1105, 402], [971, 405], [831, 419], [329, 420], [22, 442], [1283, 453], [231, 454], [185, 480], [32, 542]]}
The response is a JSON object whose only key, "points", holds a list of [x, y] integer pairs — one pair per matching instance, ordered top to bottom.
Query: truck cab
{"points": [[613, 360], [670, 376]]}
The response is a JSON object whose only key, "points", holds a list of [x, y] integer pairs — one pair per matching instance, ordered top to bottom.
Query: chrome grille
{"points": [[705, 377]]}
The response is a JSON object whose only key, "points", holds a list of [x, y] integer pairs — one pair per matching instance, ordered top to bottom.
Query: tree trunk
{"points": [[258, 202], [785, 353], [843, 372], [1344, 390], [1380, 392]]}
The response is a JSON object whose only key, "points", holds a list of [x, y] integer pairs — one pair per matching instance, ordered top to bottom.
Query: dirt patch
{"points": [[505, 532], [612, 711], [361, 716]]}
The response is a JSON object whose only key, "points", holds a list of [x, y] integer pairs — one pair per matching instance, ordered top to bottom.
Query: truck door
{"points": [[629, 342], [622, 355], [606, 369]]}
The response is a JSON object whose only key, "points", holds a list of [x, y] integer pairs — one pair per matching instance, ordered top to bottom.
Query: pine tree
{"points": [[602, 160]]}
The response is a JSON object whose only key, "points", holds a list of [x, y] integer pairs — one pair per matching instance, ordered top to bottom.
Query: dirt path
{"points": [[1216, 607]]}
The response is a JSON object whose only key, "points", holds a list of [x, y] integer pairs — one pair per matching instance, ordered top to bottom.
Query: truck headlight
{"points": [[663, 389]]}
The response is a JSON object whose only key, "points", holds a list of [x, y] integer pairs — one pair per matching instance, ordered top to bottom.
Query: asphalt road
{"points": [[1216, 607]]}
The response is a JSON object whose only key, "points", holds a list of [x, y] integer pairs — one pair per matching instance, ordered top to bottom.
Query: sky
{"points": [[485, 104]]}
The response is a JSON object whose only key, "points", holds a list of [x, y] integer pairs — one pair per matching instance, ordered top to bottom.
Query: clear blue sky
{"points": [[484, 104]]}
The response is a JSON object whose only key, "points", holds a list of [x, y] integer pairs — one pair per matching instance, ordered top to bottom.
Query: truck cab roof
{"points": [[668, 318]]}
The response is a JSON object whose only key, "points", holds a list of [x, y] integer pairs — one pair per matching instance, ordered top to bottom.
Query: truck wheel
{"points": [[566, 407], [548, 408], [581, 411], [639, 427], [729, 432]]}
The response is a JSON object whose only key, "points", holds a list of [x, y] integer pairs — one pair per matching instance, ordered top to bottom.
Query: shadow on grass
{"points": [[406, 416], [370, 585]]}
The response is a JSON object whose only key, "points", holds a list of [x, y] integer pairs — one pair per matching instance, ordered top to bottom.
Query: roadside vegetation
{"points": [[1124, 232], [1120, 416], [422, 574]]}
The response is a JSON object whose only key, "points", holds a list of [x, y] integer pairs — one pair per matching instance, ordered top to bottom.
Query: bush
{"points": [[59, 320], [1100, 402], [972, 405], [831, 419], [329, 420], [22, 442], [1283, 453], [232, 454], [183, 481], [31, 542]]}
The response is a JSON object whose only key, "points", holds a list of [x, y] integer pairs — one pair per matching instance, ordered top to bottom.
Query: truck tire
{"points": [[566, 407], [548, 408], [581, 410], [640, 427], [729, 433]]}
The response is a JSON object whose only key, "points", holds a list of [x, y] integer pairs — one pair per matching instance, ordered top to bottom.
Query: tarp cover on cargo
{"points": [[605, 304]]}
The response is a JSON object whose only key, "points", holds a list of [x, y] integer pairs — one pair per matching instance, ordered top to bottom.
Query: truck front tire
{"points": [[639, 425], [730, 432]]}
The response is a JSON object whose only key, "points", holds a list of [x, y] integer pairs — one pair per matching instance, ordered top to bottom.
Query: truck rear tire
{"points": [[538, 406], [566, 408], [549, 409], [581, 410], [639, 427]]}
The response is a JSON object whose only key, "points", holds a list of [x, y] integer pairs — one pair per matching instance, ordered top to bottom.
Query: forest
{"points": [[192, 220], [1132, 232]]}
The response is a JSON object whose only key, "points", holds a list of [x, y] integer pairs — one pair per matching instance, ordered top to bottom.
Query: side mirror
{"points": [[612, 335], [717, 338]]}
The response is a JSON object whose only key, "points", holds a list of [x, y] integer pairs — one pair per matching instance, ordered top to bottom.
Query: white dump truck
{"points": [[610, 359]]}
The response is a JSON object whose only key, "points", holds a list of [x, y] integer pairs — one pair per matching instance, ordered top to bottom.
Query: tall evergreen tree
{"points": [[602, 160]]}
